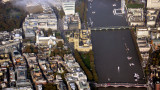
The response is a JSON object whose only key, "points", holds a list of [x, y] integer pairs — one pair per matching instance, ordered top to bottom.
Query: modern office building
{"points": [[68, 7]]}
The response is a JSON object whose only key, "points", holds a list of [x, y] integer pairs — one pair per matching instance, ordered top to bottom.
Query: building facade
{"points": [[155, 4], [68, 7], [40, 21], [47, 41], [82, 41]]}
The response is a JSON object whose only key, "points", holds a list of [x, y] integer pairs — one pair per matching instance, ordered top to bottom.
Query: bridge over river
{"points": [[111, 28], [110, 36], [120, 85]]}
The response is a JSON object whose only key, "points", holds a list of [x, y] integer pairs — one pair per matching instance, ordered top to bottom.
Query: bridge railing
{"points": [[111, 28], [120, 84]]}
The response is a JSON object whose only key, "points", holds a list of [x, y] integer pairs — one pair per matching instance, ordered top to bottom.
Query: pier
{"points": [[121, 10]]}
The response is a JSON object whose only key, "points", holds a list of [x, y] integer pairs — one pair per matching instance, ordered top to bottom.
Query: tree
{"points": [[61, 13], [8, 20], [50, 33], [57, 34], [60, 44], [27, 49], [30, 49], [35, 50], [56, 51], [86, 70], [95, 76], [50, 86]]}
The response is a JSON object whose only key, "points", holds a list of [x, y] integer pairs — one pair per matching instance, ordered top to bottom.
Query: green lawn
{"points": [[135, 5], [85, 58]]}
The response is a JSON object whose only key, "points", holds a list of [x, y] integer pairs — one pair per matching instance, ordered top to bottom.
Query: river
{"points": [[100, 12], [109, 47], [110, 53], [122, 88]]}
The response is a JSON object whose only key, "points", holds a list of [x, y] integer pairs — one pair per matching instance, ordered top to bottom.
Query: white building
{"points": [[4, 1], [153, 4], [68, 7], [135, 16], [152, 17], [40, 21], [142, 32], [148, 32], [29, 33], [17, 34], [50, 40], [144, 48], [12, 75], [78, 78], [24, 84]]}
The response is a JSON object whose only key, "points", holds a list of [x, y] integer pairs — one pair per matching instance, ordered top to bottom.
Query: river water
{"points": [[100, 12], [109, 46], [110, 53], [121, 88]]}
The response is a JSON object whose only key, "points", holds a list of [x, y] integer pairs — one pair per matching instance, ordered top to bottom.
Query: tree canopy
{"points": [[10, 17], [50, 86]]}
